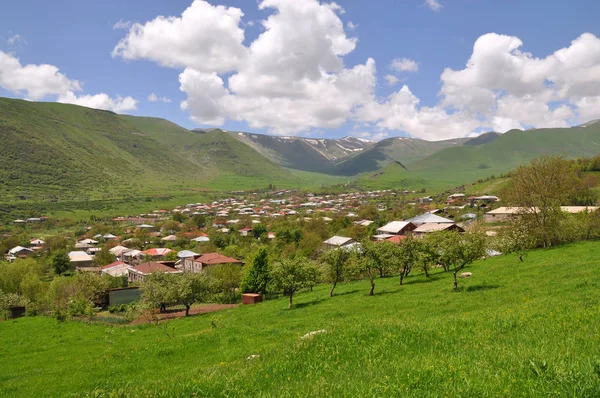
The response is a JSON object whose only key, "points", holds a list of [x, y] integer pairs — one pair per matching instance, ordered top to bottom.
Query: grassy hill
{"points": [[53, 150], [403, 150], [458, 165], [514, 329]]}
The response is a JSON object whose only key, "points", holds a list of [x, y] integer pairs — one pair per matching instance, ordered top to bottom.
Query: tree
{"points": [[539, 189], [258, 230], [515, 239], [459, 250], [428, 252], [409, 254], [104, 257], [369, 260], [60, 262], [336, 263], [293, 274], [258, 276], [226, 279], [191, 288], [158, 290]]}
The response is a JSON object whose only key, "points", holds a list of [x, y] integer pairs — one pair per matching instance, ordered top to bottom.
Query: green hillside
{"points": [[53, 150], [403, 150], [458, 165], [514, 329]]}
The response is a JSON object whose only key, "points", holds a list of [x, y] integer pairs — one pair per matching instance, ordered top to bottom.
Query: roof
{"points": [[522, 210], [429, 218], [394, 227], [434, 227], [170, 238], [396, 238], [201, 239], [338, 241], [18, 249], [118, 250], [159, 251], [187, 254], [79, 256], [217, 258], [115, 264], [150, 267]]}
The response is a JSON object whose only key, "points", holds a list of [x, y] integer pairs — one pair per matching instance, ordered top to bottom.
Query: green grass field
{"points": [[515, 329]]}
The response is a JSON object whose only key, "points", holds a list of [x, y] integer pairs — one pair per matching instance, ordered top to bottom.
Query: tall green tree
{"points": [[459, 250], [370, 258], [60, 262], [292, 274], [258, 277], [191, 288]]}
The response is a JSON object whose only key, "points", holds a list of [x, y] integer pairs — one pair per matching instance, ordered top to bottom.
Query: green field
{"points": [[514, 329]]}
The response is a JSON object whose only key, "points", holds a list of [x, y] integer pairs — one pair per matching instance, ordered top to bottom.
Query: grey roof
{"points": [[429, 218], [338, 241], [187, 254]]}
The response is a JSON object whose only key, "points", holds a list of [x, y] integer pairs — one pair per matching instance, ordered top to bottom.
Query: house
{"points": [[482, 200], [502, 214], [429, 218], [364, 223], [435, 227], [396, 228], [245, 231], [109, 237], [170, 238], [201, 239], [396, 239], [338, 241], [37, 242], [86, 243], [118, 251], [18, 252], [156, 253], [131, 256], [80, 259], [206, 260], [116, 269], [138, 272]]}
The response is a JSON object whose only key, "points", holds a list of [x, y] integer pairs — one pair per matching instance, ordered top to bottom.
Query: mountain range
{"points": [[56, 151]]}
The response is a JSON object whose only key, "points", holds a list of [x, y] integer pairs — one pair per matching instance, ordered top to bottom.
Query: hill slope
{"points": [[58, 150], [403, 150], [303, 153], [462, 164], [514, 329]]}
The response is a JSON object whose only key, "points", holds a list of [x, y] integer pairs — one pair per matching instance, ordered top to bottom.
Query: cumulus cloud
{"points": [[434, 5], [351, 25], [205, 37], [404, 65], [292, 78], [391, 80], [37, 82], [155, 98]]}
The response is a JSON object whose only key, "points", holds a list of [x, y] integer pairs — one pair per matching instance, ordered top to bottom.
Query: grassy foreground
{"points": [[515, 329]]}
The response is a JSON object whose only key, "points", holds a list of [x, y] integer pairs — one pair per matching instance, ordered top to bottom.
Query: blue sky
{"points": [[78, 38]]}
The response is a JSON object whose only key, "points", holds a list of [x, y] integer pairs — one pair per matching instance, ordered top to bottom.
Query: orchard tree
{"points": [[515, 239], [459, 250], [409, 255], [370, 258], [335, 266], [292, 274], [258, 276], [226, 279], [191, 288], [158, 291]]}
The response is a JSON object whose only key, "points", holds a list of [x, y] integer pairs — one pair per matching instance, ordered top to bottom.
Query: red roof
{"points": [[396, 238], [161, 251], [216, 258], [148, 268]]}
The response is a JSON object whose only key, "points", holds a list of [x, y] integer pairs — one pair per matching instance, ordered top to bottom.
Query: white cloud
{"points": [[434, 5], [122, 25], [351, 25], [205, 37], [16, 40], [404, 65], [292, 78], [391, 80], [37, 82], [154, 98], [100, 101]]}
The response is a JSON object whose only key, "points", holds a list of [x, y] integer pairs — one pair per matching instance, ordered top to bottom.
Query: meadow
{"points": [[514, 329]]}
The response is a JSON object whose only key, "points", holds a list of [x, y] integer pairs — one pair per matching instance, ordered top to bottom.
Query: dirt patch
{"points": [[148, 317]]}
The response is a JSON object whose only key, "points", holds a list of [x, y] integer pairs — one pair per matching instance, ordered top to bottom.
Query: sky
{"points": [[431, 69]]}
